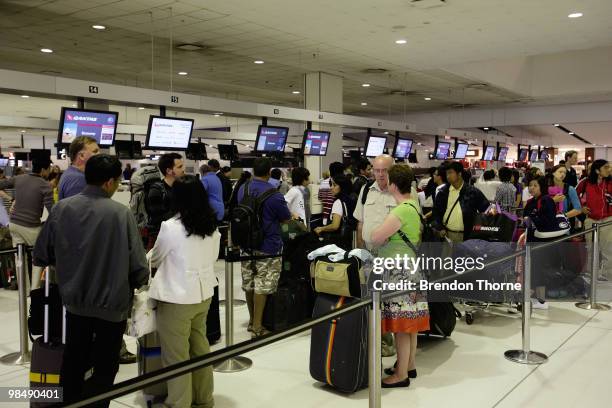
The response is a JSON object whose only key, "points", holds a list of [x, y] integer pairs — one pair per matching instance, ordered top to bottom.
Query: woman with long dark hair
{"points": [[244, 177], [596, 195], [339, 229], [185, 253]]}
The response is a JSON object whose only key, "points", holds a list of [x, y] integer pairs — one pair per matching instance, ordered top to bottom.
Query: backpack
{"points": [[140, 183], [364, 196], [246, 223]]}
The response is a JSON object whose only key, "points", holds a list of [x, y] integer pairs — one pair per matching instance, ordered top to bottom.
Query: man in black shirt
{"points": [[571, 158], [363, 172]]}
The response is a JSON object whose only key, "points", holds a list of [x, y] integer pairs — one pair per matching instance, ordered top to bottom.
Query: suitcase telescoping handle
{"points": [[46, 318]]}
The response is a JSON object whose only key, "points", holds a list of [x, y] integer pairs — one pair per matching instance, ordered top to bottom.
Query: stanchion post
{"points": [[235, 302], [592, 303], [375, 354], [23, 355], [525, 355], [237, 363]]}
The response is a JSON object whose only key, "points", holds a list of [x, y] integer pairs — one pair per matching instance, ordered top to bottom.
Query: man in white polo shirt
{"points": [[370, 213]]}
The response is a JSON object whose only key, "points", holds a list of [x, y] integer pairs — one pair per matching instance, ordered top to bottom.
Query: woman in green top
{"points": [[404, 316]]}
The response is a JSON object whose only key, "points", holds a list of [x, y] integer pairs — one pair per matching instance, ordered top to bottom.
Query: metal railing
{"points": [[523, 355]]}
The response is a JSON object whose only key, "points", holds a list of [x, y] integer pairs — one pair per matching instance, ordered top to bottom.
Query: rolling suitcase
{"points": [[278, 309], [213, 322], [339, 348], [47, 354], [149, 359]]}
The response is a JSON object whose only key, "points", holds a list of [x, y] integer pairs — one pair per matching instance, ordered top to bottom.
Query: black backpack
{"points": [[247, 220]]}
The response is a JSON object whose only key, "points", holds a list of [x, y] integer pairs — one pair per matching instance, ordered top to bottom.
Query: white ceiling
{"points": [[340, 37]]}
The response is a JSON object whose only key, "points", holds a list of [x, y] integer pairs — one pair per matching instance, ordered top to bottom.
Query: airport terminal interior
{"points": [[489, 85]]}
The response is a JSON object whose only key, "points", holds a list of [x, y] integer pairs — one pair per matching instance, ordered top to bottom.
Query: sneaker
{"points": [[539, 304], [127, 358]]}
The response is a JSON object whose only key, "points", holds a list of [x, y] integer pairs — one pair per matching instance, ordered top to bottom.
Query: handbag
{"points": [[500, 227], [560, 227], [342, 278], [142, 320]]}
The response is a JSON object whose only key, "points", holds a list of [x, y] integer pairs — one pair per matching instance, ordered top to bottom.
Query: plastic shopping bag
{"points": [[142, 321]]}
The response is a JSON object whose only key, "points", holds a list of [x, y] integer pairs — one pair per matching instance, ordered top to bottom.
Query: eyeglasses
{"points": [[381, 171]]}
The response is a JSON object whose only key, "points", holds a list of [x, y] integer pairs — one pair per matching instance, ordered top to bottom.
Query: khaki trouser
{"points": [[27, 235], [605, 245], [182, 335]]}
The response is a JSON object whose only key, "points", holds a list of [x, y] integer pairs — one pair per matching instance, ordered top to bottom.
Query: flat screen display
{"points": [[100, 125], [168, 133], [271, 139], [316, 142], [375, 146], [402, 149], [442, 150], [196, 151], [461, 151], [228, 152], [503, 152], [489, 153], [40, 154], [522, 155], [544, 155], [533, 156], [412, 158], [4, 162]]}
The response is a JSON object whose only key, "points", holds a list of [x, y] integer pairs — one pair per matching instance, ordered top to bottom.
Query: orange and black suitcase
{"points": [[339, 348]]}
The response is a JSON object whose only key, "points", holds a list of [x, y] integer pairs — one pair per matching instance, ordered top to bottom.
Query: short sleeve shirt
{"points": [[72, 182], [337, 208], [373, 213], [408, 214], [454, 215]]}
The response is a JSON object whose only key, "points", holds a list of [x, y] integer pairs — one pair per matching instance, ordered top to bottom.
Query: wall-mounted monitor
{"points": [[100, 125], [168, 133], [271, 139], [315, 142], [375, 146], [403, 148], [462, 149], [196, 151], [442, 151], [228, 152], [489, 153], [40, 154], [502, 154], [522, 155], [533, 155], [544, 155], [412, 158]]}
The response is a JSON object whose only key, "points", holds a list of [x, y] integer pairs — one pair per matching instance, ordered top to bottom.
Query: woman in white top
{"points": [[298, 196], [341, 213], [185, 253]]}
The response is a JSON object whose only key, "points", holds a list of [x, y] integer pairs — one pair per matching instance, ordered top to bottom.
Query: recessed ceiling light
{"points": [[575, 15], [98, 27], [401, 42], [46, 50], [258, 62], [183, 73], [365, 85], [296, 92], [25, 96], [428, 98], [364, 104], [74, 105], [141, 108], [216, 115], [557, 125], [486, 128], [23, 131], [386, 133], [571, 133], [420, 144]]}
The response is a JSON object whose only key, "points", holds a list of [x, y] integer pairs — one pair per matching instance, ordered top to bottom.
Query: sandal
{"points": [[261, 332]]}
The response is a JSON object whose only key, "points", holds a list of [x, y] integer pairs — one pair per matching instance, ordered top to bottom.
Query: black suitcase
{"points": [[278, 308], [213, 322], [339, 348], [47, 353]]}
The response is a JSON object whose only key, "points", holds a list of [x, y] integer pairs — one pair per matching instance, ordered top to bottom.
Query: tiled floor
{"points": [[465, 370]]}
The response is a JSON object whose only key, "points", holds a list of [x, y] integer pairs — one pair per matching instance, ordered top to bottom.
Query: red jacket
{"points": [[597, 197]]}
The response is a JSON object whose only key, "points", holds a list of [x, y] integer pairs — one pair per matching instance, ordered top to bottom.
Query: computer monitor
{"points": [[100, 125], [168, 133], [271, 139], [315, 142], [375, 146], [402, 148], [123, 149], [442, 150], [196, 151], [461, 151], [228, 152], [489, 153], [503, 153], [40, 154], [522, 155], [533, 155], [544, 155], [412, 158], [4, 162]]}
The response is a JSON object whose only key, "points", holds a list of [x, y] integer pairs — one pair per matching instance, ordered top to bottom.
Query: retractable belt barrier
{"points": [[525, 355]]}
